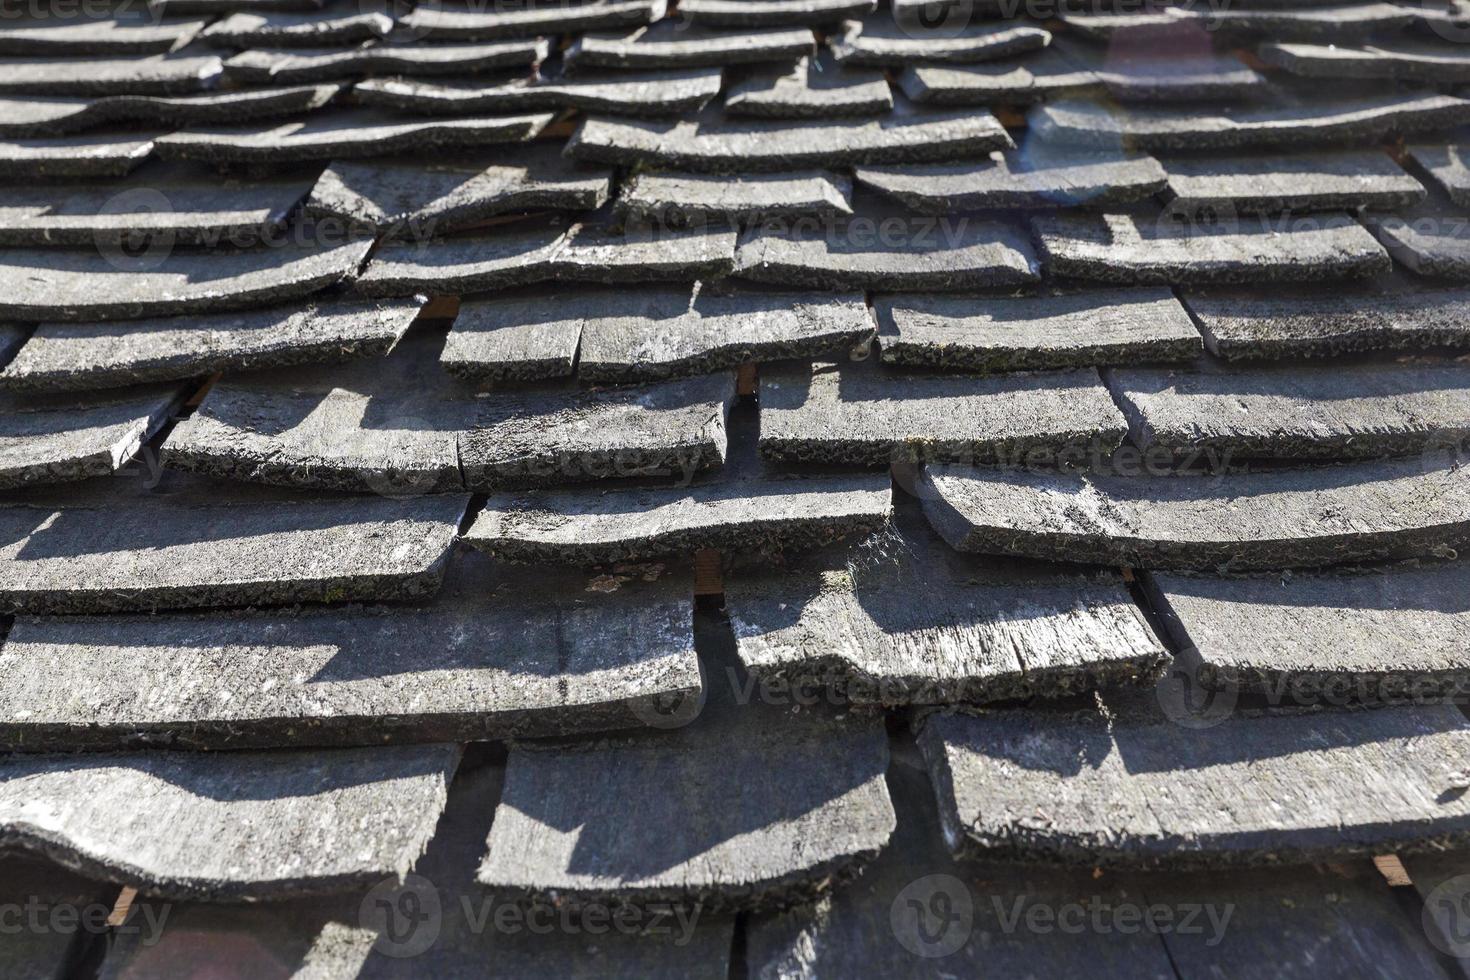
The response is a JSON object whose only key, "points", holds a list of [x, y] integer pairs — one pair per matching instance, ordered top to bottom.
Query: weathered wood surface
{"points": [[1289, 518], [241, 826]]}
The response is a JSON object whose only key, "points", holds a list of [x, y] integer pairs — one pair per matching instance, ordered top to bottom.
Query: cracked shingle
{"points": [[56, 115], [345, 133], [714, 143], [93, 155], [1020, 179], [421, 199], [886, 251], [671, 429], [59, 438], [748, 515], [904, 619]]}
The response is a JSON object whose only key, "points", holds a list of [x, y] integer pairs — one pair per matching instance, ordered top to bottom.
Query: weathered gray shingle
{"points": [[773, 13], [455, 20], [338, 23], [878, 41], [672, 44], [1386, 58], [296, 66], [152, 74], [813, 88], [660, 93], [50, 115], [1356, 119], [345, 134], [713, 143], [93, 155], [1020, 179], [1296, 182], [418, 199], [679, 199], [169, 205], [1168, 248], [878, 250], [535, 252], [50, 284], [1321, 323], [1113, 326], [664, 333], [84, 356], [1292, 412], [865, 415], [389, 425], [670, 430], [59, 438], [743, 515], [1289, 518], [100, 549], [904, 619], [1386, 636], [501, 652], [1130, 787], [706, 816], [244, 825]]}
